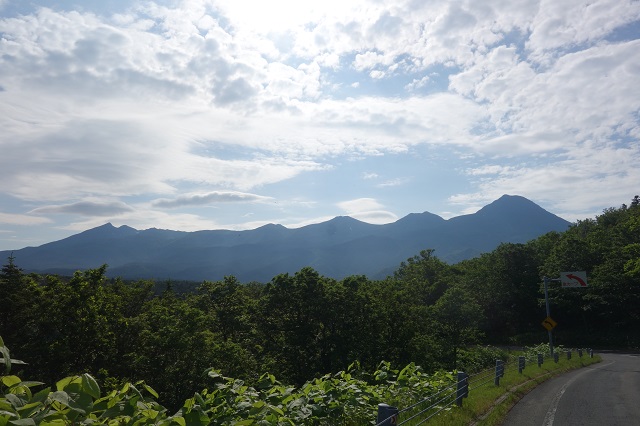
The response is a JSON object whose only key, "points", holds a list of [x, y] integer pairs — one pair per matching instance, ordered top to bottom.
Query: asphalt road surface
{"points": [[603, 394]]}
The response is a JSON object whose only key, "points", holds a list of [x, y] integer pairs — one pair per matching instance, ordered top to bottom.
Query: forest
{"points": [[302, 326]]}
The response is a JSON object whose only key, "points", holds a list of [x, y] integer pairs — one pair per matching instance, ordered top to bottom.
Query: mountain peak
{"points": [[510, 204], [108, 230], [337, 248]]}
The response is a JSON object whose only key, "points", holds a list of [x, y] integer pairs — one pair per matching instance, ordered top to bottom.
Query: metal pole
{"points": [[546, 299]]}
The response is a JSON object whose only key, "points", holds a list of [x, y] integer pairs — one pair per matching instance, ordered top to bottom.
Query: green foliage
{"points": [[607, 249], [505, 283], [306, 325], [478, 358], [344, 398]]}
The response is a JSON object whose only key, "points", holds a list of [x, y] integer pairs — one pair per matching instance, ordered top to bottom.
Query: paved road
{"points": [[603, 394]]}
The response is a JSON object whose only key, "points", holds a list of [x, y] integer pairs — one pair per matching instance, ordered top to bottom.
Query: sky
{"points": [[206, 114]]}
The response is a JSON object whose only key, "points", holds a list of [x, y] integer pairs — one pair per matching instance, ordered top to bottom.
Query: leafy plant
{"points": [[346, 398]]}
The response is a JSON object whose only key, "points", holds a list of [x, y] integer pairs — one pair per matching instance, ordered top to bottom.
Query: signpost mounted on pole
{"points": [[568, 279], [549, 323]]}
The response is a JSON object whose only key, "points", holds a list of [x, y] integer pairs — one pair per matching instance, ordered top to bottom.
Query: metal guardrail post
{"points": [[580, 353], [590, 353], [568, 354], [556, 357], [540, 360], [521, 364], [499, 371], [463, 387], [387, 415]]}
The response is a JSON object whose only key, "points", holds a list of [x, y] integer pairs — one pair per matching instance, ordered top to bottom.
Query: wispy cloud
{"points": [[393, 182], [210, 198], [86, 208], [368, 210], [22, 220]]}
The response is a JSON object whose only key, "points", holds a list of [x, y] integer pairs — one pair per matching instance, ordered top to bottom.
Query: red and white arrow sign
{"points": [[574, 279]]}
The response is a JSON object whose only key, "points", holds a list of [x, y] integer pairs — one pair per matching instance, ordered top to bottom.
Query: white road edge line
{"points": [[551, 413]]}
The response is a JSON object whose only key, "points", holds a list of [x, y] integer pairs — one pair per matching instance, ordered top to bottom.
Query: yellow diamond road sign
{"points": [[549, 323]]}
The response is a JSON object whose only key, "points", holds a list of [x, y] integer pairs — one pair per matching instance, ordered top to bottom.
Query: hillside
{"points": [[340, 247]]}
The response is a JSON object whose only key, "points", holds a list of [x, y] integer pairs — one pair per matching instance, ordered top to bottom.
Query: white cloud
{"points": [[571, 23], [369, 60], [417, 83], [201, 97], [489, 170], [393, 182], [557, 185], [210, 198], [360, 204], [86, 208], [367, 210], [375, 217], [145, 219], [22, 220]]}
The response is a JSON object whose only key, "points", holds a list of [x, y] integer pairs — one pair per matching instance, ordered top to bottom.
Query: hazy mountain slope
{"points": [[337, 248]]}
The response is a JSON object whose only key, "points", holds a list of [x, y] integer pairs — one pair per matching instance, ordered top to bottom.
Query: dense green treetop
{"points": [[305, 325]]}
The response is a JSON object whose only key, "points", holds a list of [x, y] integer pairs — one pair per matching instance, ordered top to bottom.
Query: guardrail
{"points": [[435, 404]]}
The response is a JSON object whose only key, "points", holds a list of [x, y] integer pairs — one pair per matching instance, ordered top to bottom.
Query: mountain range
{"points": [[337, 248]]}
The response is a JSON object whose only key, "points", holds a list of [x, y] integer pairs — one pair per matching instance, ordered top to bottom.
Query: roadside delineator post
{"points": [[580, 353], [569, 354], [556, 357], [540, 360], [521, 362], [499, 371], [463, 387], [387, 415]]}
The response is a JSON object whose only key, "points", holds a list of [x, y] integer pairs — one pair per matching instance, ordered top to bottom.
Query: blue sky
{"points": [[206, 114]]}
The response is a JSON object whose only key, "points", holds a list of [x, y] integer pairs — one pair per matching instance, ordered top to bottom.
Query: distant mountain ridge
{"points": [[340, 247]]}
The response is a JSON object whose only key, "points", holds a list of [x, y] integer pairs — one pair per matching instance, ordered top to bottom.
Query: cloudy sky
{"points": [[206, 114]]}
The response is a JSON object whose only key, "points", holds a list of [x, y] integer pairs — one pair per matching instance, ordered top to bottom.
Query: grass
{"points": [[488, 404]]}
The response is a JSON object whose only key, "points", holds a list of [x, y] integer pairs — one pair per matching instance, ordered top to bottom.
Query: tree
{"points": [[606, 249], [506, 284], [10, 288], [19, 294], [229, 307], [456, 317], [293, 324]]}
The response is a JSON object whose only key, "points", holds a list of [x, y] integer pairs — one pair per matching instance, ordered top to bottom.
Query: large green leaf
{"points": [[4, 351], [9, 381], [31, 383], [62, 384], [90, 386], [150, 390], [60, 396], [15, 400], [28, 409], [7, 413], [176, 419], [23, 422]]}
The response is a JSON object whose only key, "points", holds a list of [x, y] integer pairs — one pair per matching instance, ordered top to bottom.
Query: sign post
{"points": [[568, 279], [548, 323]]}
